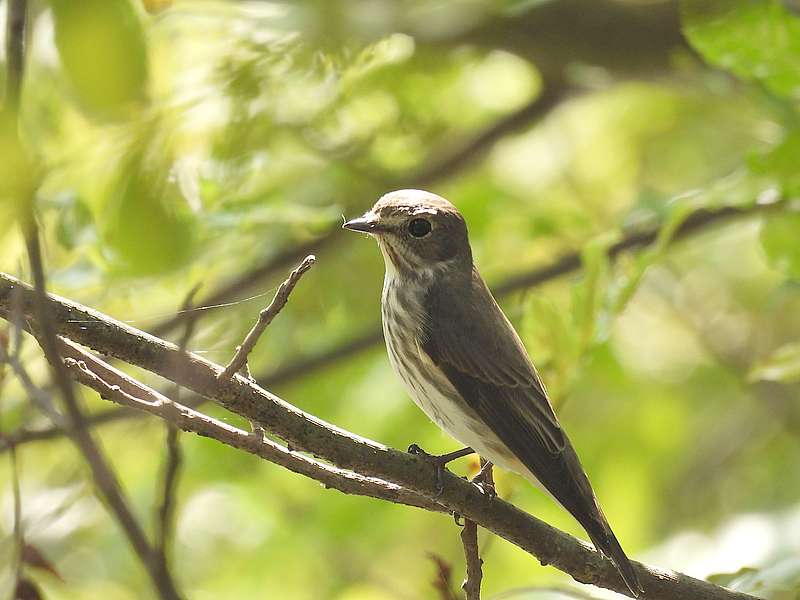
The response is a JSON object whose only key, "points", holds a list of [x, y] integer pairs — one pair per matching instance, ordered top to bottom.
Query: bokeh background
{"points": [[185, 142]]}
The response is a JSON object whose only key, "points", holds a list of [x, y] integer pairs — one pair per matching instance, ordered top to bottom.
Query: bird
{"points": [[462, 362]]}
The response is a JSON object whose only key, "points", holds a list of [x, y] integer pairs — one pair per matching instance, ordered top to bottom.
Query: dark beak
{"points": [[366, 224]]}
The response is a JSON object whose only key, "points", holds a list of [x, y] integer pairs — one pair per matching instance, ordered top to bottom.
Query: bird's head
{"points": [[419, 233]]}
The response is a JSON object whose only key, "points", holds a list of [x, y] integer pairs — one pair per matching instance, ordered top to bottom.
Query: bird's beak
{"points": [[368, 223]]}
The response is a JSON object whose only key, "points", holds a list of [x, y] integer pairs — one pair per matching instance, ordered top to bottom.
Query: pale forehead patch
{"points": [[414, 202], [424, 210]]}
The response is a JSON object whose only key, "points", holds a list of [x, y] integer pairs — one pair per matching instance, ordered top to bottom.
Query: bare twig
{"points": [[265, 318], [349, 452], [19, 534], [469, 539]]}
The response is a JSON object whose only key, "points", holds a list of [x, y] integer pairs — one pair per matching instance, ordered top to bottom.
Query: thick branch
{"points": [[118, 387], [352, 452]]}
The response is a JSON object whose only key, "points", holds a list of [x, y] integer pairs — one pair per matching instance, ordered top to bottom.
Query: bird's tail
{"points": [[606, 542]]}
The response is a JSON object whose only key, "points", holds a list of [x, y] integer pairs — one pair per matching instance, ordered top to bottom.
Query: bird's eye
{"points": [[419, 228]]}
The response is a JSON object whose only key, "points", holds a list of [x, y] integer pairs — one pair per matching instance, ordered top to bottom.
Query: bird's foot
{"points": [[439, 461]]}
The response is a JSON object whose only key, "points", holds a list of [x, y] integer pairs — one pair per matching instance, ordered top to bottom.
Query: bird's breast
{"points": [[404, 323]]}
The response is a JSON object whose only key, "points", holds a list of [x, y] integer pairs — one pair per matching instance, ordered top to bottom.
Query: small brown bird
{"points": [[462, 362]]}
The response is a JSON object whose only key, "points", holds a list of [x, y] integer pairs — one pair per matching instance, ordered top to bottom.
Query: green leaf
{"points": [[757, 40], [102, 48], [780, 239], [783, 365]]}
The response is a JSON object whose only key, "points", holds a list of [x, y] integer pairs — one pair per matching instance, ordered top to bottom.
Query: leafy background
{"points": [[176, 143]]}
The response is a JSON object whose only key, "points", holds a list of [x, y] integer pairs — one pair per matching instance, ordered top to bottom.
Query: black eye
{"points": [[419, 228]]}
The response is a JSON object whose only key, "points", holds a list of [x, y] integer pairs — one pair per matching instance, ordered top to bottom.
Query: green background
{"points": [[192, 142]]}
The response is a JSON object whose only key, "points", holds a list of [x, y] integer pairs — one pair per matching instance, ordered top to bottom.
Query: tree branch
{"points": [[118, 387], [351, 452]]}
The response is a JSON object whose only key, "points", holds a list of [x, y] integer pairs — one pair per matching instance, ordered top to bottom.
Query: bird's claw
{"points": [[438, 462], [459, 519]]}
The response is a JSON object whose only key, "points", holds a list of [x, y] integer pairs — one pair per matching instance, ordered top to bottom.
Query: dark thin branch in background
{"points": [[16, 22], [434, 171], [696, 223], [265, 317], [351, 455], [104, 476], [165, 513], [19, 534]]}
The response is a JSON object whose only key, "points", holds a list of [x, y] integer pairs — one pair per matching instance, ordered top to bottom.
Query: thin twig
{"points": [[265, 318], [349, 452], [174, 459], [19, 534], [469, 539]]}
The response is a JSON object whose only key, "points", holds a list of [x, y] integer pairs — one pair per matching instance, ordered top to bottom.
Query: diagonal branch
{"points": [[118, 387], [352, 452]]}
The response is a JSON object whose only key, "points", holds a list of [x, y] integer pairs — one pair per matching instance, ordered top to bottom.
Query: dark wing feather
{"points": [[487, 356]]}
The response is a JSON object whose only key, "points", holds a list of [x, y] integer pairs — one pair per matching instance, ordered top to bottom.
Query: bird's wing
{"points": [[472, 341], [475, 346]]}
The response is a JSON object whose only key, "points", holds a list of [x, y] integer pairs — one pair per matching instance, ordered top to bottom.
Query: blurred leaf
{"points": [[156, 6], [757, 40], [102, 48], [781, 163], [17, 176], [75, 222], [147, 222], [779, 239], [587, 294], [4, 349], [782, 365], [726, 579], [778, 581]]}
